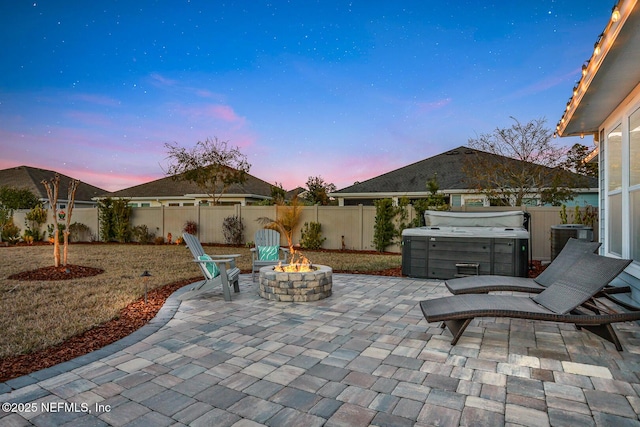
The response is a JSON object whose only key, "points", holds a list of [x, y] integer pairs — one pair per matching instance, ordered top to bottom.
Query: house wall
{"points": [[619, 149], [348, 227]]}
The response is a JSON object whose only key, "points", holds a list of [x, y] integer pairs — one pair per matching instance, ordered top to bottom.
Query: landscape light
{"points": [[145, 276]]}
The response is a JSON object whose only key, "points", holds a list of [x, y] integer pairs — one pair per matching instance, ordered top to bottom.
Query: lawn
{"points": [[39, 314]]}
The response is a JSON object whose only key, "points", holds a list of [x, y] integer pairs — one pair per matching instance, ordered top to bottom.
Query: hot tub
{"points": [[457, 244]]}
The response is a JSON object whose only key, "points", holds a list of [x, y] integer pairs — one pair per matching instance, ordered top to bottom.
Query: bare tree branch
{"points": [[211, 164]]}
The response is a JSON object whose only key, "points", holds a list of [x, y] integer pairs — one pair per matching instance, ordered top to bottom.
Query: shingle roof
{"points": [[447, 167], [31, 178], [170, 187]]}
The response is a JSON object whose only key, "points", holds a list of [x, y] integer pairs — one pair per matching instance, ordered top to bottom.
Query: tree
{"points": [[575, 161], [519, 162], [212, 165], [318, 190], [52, 191], [278, 193], [17, 198], [71, 198], [6, 218], [287, 219], [384, 229]]}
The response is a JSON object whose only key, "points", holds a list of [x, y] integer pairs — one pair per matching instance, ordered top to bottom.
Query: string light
{"points": [[615, 14], [596, 46]]}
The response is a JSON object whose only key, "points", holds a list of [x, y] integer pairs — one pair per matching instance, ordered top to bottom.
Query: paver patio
{"points": [[364, 356]]}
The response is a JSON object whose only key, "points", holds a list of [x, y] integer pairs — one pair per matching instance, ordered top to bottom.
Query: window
{"points": [[634, 149], [614, 158], [634, 183], [614, 187], [474, 202]]}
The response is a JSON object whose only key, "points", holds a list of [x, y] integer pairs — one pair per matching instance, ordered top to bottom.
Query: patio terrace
{"points": [[365, 356]]}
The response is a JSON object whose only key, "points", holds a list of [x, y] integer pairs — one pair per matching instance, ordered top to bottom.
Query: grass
{"points": [[38, 314]]}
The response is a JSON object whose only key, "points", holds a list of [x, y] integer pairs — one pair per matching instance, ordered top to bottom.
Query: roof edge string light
{"points": [[615, 14], [597, 45], [585, 66], [590, 66]]}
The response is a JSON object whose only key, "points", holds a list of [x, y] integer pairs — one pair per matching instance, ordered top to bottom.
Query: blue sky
{"points": [[338, 89]]}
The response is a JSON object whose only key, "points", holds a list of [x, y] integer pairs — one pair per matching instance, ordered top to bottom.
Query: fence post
{"points": [[361, 226]]}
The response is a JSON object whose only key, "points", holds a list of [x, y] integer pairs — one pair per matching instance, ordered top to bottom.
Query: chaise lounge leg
{"points": [[457, 328], [605, 331]]}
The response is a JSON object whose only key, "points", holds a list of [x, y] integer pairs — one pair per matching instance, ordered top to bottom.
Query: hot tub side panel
{"points": [[448, 257]]}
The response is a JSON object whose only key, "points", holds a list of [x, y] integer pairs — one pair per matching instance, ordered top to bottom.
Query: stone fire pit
{"points": [[296, 287]]}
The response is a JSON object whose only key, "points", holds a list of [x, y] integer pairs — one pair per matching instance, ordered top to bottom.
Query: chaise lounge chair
{"points": [[572, 251], [218, 270], [563, 301]]}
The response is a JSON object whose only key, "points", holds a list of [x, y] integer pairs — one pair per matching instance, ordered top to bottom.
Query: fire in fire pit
{"points": [[299, 264]]}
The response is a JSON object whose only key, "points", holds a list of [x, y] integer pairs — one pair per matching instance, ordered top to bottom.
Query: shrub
{"points": [[114, 216], [33, 221], [190, 227], [51, 230], [78, 230], [233, 230], [384, 230], [11, 232], [143, 235], [312, 236], [159, 240]]}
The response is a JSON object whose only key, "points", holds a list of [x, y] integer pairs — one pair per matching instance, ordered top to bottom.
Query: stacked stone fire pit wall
{"points": [[295, 287]]}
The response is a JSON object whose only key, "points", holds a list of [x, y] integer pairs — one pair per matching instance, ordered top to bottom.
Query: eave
{"points": [[608, 76]]}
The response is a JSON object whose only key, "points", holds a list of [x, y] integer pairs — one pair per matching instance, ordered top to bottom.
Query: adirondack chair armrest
{"points": [[230, 258]]}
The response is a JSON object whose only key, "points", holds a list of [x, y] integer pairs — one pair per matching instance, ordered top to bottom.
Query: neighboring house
{"points": [[606, 104], [448, 169], [31, 178], [175, 192]]}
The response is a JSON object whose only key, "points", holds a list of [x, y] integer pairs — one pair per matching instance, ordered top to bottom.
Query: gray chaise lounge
{"points": [[571, 252], [563, 301]]}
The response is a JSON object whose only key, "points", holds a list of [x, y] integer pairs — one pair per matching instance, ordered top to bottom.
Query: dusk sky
{"points": [[338, 89]]}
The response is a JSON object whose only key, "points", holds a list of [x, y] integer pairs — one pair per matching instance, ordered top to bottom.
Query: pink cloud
{"points": [[216, 112]]}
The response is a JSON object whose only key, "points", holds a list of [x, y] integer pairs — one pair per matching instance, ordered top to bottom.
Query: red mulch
{"points": [[57, 273], [131, 318]]}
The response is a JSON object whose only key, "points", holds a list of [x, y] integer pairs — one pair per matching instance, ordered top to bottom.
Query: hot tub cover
{"points": [[509, 219]]}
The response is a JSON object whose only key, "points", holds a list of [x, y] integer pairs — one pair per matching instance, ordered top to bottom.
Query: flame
{"points": [[298, 264]]}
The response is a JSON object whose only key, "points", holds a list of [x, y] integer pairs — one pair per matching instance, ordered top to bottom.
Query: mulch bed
{"points": [[67, 272], [131, 318]]}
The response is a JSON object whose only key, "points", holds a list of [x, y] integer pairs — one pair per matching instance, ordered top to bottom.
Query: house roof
{"points": [[609, 75], [447, 167], [31, 178], [172, 187]]}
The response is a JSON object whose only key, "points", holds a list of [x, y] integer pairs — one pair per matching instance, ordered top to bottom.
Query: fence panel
{"points": [[352, 224]]}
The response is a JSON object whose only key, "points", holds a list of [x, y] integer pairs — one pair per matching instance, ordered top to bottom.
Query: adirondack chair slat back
{"points": [[267, 237]]}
